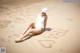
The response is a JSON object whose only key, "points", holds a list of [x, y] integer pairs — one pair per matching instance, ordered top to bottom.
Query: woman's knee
{"points": [[32, 25]]}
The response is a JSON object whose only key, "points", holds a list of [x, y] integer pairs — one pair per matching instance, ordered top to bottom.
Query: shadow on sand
{"points": [[30, 36]]}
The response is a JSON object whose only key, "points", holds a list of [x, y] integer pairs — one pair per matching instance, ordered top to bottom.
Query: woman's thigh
{"points": [[36, 31]]}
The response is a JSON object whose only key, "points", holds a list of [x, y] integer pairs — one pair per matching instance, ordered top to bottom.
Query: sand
{"points": [[63, 26]]}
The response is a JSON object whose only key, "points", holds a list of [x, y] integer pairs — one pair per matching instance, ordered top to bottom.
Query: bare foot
{"points": [[18, 39]]}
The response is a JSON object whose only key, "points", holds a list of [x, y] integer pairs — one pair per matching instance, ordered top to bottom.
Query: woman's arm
{"points": [[45, 22]]}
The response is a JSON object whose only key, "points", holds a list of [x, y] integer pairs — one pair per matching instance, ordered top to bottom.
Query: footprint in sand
{"points": [[69, 19], [17, 20], [4, 23], [13, 35], [9, 36], [4, 40], [9, 40], [47, 43], [61, 50]]}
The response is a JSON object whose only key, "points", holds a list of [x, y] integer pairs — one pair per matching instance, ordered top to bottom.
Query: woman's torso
{"points": [[39, 22]]}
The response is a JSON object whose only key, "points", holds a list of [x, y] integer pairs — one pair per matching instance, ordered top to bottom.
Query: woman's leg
{"points": [[30, 26], [33, 31]]}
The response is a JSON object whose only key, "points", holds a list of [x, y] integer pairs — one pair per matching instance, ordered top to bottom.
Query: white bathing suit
{"points": [[39, 22]]}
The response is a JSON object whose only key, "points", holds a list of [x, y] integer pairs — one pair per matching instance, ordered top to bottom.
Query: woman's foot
{"points": [[18, 40]]}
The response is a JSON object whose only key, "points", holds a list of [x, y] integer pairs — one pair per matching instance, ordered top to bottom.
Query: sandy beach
{"points": [[63, 26]]}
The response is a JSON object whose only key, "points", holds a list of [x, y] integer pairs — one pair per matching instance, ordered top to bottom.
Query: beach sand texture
{"points": [[63, 26]]}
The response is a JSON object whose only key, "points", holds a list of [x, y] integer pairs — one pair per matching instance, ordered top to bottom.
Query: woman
{"points": [[36, 28]]}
